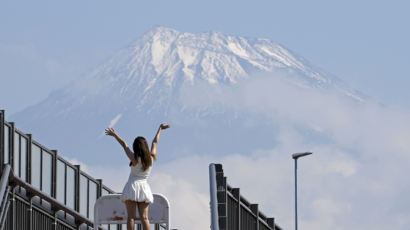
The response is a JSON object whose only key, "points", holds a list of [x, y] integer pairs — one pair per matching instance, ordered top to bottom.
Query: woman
{"points": [[137, 191]]}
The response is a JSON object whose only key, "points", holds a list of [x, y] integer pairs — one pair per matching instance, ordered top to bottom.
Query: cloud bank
{"points": [[356, 178]]}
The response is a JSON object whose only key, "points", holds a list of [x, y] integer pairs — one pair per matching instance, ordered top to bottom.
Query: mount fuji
{"points": [[193, 81]]}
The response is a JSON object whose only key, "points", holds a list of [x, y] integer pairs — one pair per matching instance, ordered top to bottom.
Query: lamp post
{"points": [[295, 156]]}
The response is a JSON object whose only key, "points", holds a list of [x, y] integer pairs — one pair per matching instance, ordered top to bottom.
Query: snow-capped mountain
{"points": [[149, 80]]}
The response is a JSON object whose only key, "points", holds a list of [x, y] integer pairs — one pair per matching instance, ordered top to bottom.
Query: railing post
{"points": [[2, 115], [11, 147], [29, 149], [54, 174], [99, 187], [77, 188], [255, 210], [271, 223]]}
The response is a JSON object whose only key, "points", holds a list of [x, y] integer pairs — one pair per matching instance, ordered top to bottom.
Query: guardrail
{"points": [[47, 172], [9, 177], [230, 210]]}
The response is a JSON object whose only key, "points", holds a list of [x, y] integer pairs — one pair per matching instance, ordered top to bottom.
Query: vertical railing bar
{"points": [[2, 134], [11, 146], [19, 154], [29, 157], [41, 172], [54, 173], [65, 187], [99, 187], [77, 188], [225, 188], [88, 199], [13, 209], [31, 214]]}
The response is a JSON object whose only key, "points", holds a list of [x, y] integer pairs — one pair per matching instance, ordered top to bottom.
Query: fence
{"points": [[48, 172], [230, 210]]}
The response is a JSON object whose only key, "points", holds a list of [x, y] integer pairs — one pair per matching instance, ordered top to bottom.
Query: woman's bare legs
{"points": [[131, 211], [143, 211]]}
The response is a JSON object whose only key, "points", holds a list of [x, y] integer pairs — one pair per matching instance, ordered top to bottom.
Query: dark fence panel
{"points": [[234, 211], [38, 219], [248, 220]]}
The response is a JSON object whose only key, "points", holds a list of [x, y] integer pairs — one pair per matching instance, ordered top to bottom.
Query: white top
{"points": [[138, 173], [137, 187]]}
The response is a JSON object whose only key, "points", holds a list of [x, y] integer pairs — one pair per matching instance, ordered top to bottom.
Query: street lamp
{"points": [[295, 156]]}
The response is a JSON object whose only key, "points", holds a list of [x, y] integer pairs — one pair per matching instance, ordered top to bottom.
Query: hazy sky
{"points": [[45, 44]]}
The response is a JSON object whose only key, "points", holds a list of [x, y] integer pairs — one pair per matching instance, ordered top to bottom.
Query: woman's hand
{"points": [[164, 126], [110, 132], [156, 138]]}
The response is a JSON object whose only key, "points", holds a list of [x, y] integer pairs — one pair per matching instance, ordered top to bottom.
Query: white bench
{"points": [[109, 209]]}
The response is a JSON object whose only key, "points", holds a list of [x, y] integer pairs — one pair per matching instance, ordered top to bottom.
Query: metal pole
{"points": [[295, 156], [296, 195]]}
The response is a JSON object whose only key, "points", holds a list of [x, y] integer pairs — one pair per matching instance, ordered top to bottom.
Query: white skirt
{"points": [[137, 190]]}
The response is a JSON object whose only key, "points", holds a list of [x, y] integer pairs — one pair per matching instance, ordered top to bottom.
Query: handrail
{"points": [[57, 204]]}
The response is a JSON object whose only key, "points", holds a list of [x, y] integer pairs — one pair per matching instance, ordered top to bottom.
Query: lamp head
{"points": [[297, 155]]}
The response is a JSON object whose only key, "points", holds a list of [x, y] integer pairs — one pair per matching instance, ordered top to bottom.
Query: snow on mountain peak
{"points": [[167, 55], [153, 68]]}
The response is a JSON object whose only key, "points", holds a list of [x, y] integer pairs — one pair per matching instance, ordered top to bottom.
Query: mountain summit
{"points": [[154, 68], [157, 77]]}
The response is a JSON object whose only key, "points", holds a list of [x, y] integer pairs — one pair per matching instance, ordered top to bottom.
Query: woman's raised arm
{"points": [[111, 132], [156, 139]]}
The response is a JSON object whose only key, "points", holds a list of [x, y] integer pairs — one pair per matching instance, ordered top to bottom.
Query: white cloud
{"points": [[113, 122], [361, 151], [361, 154], [189, 206]]}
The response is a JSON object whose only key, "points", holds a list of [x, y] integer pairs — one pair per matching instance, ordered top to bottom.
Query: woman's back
{"points": [[138, 173]]}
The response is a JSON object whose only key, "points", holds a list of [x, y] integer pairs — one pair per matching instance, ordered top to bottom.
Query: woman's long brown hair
{"points": [[141, 150]]}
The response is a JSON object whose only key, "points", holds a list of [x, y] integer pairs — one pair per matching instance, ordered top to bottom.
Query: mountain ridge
{"points": [[164, 59]]}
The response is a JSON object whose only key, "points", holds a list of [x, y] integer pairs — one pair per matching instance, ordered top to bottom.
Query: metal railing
{"points": [[37, 168], [19, 202], [230, 210]]}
